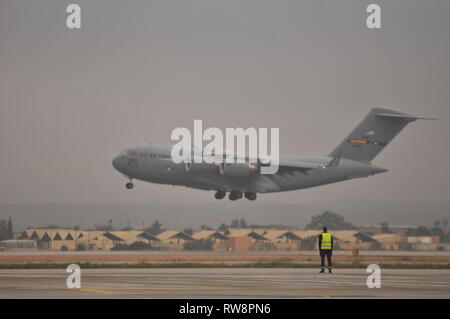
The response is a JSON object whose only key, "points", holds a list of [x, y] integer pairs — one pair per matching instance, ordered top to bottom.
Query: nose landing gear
{"points": [[129, 185]]}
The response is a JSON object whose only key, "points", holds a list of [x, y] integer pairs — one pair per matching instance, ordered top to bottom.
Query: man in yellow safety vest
{"points": [[325, 249]]}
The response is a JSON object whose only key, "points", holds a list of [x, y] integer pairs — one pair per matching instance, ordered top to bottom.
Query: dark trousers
{"points": [[323, 253]]}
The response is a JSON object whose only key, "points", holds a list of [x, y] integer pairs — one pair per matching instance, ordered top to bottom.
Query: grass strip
{"points": [[215, 265]]}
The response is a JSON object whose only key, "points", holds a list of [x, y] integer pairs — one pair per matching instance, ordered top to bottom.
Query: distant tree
{"points": [[329, 219], [234, 223], [242, 223], [445, 223], [437, 224], [52, 226], [270, 226], [9, 227], [103, 227], [205, 227], [223, 227], [76, 228], [126, 228], [155, 228], [385, 228], [5, 230], [188, 231], [421, 231], [434, 231]]}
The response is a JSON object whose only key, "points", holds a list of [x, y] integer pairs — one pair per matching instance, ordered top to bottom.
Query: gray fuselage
{"points": [[154, 164]]}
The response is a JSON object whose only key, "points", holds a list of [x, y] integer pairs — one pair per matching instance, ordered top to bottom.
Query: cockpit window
{"points": [[131, 153]]}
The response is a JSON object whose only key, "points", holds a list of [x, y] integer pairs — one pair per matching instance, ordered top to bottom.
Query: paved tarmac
{"points": [[224, 283]]}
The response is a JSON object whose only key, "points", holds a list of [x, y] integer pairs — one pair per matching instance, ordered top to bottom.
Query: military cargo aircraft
{"points": [[352, 158]]}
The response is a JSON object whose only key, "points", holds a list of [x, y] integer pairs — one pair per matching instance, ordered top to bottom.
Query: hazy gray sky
{"points": [[70, 100]]}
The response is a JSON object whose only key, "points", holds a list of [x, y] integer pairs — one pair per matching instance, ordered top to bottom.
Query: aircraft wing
{"points": [[303, 167], [286, 170]]}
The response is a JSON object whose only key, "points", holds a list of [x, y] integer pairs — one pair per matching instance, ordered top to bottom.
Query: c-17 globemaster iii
{"points": [[350, 159]]}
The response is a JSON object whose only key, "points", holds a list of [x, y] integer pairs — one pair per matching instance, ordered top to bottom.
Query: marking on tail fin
{"points": [[357, 141]]}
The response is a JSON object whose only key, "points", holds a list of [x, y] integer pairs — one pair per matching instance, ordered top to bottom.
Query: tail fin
{"points": [[370, 137]]}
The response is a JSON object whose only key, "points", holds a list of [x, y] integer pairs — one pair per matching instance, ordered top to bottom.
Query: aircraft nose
{"points": [[116, 162]]}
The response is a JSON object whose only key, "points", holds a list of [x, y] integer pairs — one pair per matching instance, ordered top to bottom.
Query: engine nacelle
{"points": [[238, 169]]}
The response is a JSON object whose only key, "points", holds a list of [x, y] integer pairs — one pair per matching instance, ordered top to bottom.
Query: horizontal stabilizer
{"points": [[403, 116]]}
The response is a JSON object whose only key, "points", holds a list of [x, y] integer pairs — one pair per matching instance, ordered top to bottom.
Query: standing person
{"points": [[325, 249]]}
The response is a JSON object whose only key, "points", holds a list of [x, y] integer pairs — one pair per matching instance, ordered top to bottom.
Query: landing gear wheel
{"points": [[129, 185], [219, 195], [235, 195], [250, 195]]}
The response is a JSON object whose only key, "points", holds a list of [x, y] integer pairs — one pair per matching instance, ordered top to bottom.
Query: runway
{"points": [[224, 283]]}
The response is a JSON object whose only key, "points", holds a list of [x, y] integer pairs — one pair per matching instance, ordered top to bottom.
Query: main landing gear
{"points": [[220, 194], [235, 195], [250, 195]]}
